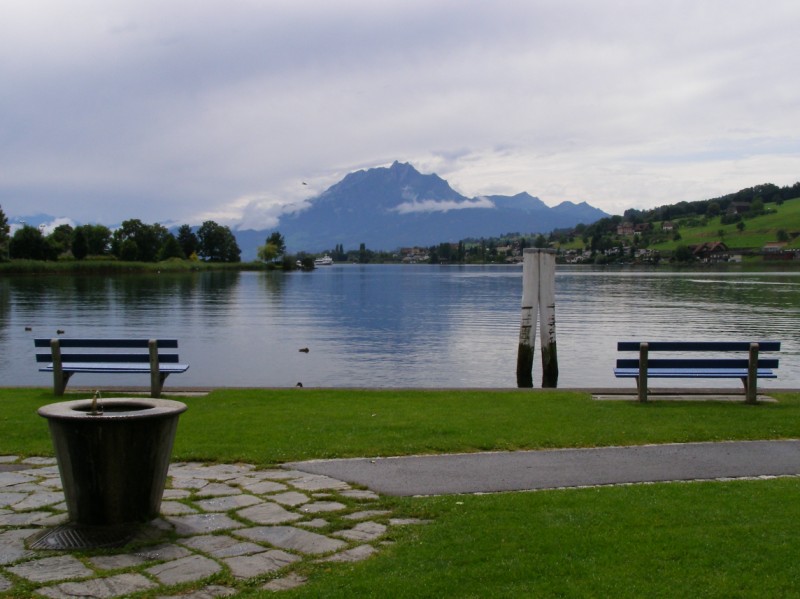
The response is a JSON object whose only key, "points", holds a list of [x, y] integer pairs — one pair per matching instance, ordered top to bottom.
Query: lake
{"points": [[393, 325]]}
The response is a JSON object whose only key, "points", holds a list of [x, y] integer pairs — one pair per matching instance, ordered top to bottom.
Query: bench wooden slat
{"points": [[120, 343], [709, 346], [110, 358], [694, 363], [100, 367], [721, 373]]}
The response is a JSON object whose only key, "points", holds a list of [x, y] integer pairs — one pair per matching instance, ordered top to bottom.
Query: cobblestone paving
{"points": [[230, 527]]}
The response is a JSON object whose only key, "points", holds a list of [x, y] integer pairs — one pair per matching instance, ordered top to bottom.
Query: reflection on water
{"points": [[393, 326]]}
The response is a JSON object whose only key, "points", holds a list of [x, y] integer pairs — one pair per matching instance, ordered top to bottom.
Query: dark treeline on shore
{"points": [[133, 241], [134, 245]]}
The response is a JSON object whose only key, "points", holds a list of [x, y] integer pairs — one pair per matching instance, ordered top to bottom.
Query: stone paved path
{"points": [[235, 527]]}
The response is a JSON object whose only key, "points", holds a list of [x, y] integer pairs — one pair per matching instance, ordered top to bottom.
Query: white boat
{"points": [[326, 260]]}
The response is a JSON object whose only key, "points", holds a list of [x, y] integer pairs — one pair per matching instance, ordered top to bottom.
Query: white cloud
{"points": [[441, 205]]}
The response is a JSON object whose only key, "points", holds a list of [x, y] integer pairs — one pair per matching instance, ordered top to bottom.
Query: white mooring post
{"points": [[538, 299]]}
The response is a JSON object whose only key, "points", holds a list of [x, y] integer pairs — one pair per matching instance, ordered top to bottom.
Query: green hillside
{"points": [[757, 231]]}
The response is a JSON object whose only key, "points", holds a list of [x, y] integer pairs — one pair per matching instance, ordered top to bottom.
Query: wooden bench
{"points": [[109, 356], [748, 369]]}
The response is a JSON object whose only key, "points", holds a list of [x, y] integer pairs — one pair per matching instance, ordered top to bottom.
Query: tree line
{"points": [[133, 241]]}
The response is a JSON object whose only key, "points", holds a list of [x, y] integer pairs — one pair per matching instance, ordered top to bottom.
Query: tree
{"points": [[756, 208], [740, 226], [783, 235], [4, 238], [98, 239], [60, 240], [187, 240], [137, 241], [278, 241], [28, 243], [124, 243], [216, 243], [80, 244], [170, 248], [274, 248], [267, 252], [338, 253]]}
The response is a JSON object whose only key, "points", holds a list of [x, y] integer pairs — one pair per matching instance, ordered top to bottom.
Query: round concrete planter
{"points": [[113, 463]]}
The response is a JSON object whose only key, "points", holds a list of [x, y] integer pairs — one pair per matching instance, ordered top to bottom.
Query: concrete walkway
{"points": [[530, 470]]}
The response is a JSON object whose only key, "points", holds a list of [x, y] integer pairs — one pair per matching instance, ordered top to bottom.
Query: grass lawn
{"points": [[267, 427], [715, 539], [724, 540]]}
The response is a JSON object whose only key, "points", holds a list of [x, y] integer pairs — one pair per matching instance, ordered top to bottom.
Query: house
{"points": [[738, 208], [667, 225], [625, 229], [773, 247], [776, 250], [711, 251], [414, 255]]}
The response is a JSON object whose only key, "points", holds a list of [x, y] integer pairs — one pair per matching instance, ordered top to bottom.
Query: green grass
{"points": [[272, 426], [715, 539], [723, 540]]}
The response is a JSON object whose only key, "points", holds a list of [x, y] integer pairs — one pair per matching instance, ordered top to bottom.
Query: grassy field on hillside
{"points": [[757, 232]]}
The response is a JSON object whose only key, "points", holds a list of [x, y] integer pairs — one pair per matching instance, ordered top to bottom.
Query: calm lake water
{"points": [[393, 326]]}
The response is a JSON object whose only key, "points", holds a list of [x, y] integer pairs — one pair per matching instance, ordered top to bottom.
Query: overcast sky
{"points": [[178, 111]]}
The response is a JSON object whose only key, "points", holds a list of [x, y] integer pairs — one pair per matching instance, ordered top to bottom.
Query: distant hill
{"points": [[388, 208]]}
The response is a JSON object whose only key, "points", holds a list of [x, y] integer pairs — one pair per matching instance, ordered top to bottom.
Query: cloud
{"points": [[441, 205], [45, 226]]}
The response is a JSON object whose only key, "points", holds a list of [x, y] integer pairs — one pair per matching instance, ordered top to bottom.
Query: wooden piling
{"points": [[538, 300], [527, 330]]}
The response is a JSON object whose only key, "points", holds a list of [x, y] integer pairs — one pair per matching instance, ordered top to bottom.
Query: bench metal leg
{"points": [[60, 378], [156, 378], [641, 380], [751, 382], [157, 385]]}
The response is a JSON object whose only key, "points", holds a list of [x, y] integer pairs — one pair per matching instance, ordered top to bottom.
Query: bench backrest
{"points": [[698, 346], [709, 346], [86, 353]]}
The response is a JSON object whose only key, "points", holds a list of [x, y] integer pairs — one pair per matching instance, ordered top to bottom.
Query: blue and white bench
{"points": [[121, 356], [748, 369]]}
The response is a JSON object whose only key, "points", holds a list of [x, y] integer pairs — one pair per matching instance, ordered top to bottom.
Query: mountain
{"points": [[388, 208]]}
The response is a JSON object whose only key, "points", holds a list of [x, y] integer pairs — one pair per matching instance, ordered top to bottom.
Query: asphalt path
{"points": [[556, 468]]}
